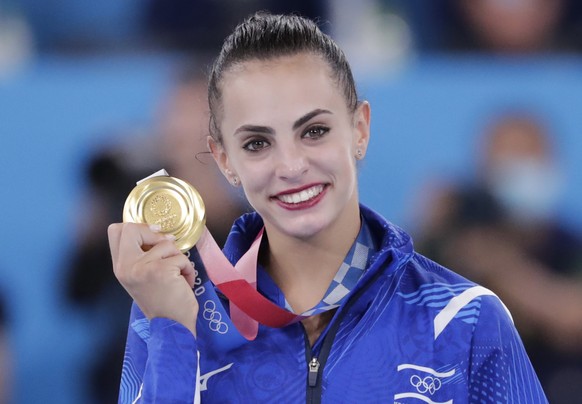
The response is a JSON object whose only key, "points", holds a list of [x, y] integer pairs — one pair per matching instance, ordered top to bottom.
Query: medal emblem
{"points": [[172, 203]]}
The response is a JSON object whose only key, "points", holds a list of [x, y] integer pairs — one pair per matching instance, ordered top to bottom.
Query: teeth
{"points": [[302, 196]]}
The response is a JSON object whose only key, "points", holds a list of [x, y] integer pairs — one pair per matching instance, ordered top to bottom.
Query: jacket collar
{"points": [[391, 240]]}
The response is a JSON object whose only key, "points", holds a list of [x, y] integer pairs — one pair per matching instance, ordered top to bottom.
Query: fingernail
{"points": [[155, 228], [170, 236]]}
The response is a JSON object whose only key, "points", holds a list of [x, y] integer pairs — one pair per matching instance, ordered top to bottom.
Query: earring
{"points": [[359, 154], [234, 180]]}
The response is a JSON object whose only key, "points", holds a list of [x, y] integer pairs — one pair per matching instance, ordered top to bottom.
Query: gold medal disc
{"points": [[171, 203]]}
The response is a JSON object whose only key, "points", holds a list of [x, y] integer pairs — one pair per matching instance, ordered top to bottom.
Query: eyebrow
{"points": [[305, 118], [267, 130]]}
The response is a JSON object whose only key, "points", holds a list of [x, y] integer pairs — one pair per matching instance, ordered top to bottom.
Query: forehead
{"points": [[302, 63], [287, 84]]}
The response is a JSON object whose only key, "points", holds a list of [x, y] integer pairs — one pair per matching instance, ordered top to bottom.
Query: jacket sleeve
{"points": [[160, 363], [500, 369]]}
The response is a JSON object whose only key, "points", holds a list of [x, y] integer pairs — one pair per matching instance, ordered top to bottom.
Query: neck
{"points": [[304, 268]]}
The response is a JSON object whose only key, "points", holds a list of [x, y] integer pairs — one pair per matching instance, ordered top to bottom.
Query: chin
{"points": [[303, 224], [303, 229]]}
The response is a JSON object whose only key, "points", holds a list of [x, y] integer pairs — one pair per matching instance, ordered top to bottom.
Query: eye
{"points": [[316, 132], [255, 145]]}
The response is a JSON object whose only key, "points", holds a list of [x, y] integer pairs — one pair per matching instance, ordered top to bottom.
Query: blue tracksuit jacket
{"points": [[411, 332]]}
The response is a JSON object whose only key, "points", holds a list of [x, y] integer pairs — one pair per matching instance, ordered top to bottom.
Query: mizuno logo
{"points": [[204, 378]]}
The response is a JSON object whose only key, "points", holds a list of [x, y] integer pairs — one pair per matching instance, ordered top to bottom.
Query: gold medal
{"points": [[171, 203]]}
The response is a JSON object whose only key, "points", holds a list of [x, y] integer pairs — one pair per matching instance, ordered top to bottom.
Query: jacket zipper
{"points": [[315, 364], [313, 372]]}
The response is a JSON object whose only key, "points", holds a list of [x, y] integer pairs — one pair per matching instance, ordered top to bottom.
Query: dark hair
{"points": [[265, 36]]}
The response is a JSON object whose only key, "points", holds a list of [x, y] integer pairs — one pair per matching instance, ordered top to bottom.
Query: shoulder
{"points": [[422, 272], [453, 302]]}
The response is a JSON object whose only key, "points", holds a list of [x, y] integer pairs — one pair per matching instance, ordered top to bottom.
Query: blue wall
{"points": [[425, 118]]}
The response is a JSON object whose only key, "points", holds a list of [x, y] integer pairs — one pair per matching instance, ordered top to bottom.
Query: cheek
{"points": [[342, 156], [339, 163], [254, 177], [255, 186]]}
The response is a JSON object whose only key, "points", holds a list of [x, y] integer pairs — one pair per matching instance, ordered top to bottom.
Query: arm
{"points": [[161, 362], [500, 368]]}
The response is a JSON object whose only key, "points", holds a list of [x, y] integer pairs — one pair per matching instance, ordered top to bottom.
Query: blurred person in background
{"points": [[514, 26], [502, 27], [180, 148], [503, 231]]}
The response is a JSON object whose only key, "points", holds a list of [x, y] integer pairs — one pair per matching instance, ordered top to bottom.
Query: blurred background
{"points": [[476, 151]]}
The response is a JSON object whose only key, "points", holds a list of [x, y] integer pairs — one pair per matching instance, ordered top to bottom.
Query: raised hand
{"points": [[154, 272]]}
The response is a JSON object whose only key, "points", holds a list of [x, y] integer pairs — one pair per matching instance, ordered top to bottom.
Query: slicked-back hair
{"points": [[265, 36]]}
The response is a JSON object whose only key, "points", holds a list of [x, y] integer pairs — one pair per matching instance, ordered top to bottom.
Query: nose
{"points": [[292, 162]]}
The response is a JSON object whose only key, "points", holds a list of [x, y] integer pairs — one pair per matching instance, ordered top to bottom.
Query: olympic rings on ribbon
{"points": [[214, 318]]}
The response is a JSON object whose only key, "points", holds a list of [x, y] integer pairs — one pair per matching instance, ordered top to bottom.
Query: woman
{"points": [[389, 325]]}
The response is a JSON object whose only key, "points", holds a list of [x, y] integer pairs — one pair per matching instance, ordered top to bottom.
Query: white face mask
{"points": [[528, 189]]}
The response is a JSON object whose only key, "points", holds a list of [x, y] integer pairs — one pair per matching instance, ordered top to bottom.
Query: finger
{"points": [[114, 236], [134, 236], [164, 249], [182, 265], [189, 273]]}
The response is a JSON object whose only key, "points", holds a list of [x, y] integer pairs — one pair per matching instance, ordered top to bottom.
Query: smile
{"points": [[301, 196]]}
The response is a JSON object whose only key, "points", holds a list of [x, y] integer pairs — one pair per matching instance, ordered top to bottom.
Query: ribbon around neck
{"points": [[239, 284]]}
